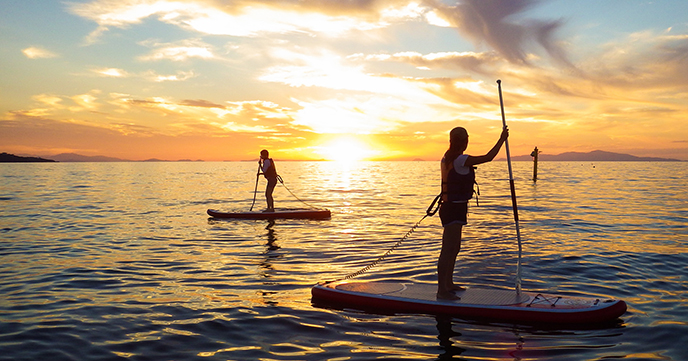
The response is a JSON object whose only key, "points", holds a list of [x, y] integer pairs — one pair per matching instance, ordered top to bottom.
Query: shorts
{"points": [[451, 212]]}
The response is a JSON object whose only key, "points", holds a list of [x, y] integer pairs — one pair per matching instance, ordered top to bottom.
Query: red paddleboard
{"points": [[278, 213], [475, 303]]}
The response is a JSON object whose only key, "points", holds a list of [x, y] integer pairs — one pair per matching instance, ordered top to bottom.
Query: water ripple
{"points": [[120, 261]]}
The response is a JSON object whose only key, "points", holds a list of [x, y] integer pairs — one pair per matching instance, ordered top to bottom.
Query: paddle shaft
{"points": [[256, 189], [513, 192]]}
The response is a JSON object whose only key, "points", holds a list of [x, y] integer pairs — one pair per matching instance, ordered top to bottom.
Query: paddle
{"points": [[255, 190], [513, 193]]}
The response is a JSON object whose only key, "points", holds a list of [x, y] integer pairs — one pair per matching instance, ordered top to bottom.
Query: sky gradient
{"points": [[333, 79]]}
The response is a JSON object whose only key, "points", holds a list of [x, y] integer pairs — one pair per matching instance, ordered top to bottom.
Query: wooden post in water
{"points": [[534, 154]]}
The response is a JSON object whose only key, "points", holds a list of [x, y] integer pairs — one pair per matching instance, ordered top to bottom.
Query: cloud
{"points": [[248, 18], [258, 18], [495, 22], [178, 52], [38, 53], [467, 61], [644, 62], [331, 71], [110, 72], [150, 75], [179, 76], [385, 89], [49, 100], [87, 101], [364, 102], [201, 103], [47, 104], [259, 110], [192, 115], [162, 116], [242, 128], [46, 137]]}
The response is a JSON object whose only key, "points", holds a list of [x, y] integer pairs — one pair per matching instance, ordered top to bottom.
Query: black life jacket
{"points": [[271, 172], [459, 186]]}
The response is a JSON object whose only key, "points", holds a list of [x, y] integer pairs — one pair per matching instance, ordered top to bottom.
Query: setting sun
{"points": [[346, 150]]}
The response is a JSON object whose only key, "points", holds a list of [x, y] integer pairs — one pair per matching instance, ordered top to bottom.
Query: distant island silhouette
{"points": [[594, 156], [11, 158], [76, 158]]}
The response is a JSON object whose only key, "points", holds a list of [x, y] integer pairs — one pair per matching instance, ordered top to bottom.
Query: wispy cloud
{"points": [[247, 18], [500, 25], [180, 51], [38, 53], [468, 61], [642, 61], [110, 72], [150, 75], [179, 76], [49, 100], [87, 101]]}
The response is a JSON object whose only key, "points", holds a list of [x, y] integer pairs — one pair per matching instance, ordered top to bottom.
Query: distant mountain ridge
{"points": [[594, 156], [73, 157]]}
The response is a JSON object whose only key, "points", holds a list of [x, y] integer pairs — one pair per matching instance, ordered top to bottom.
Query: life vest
{"points": [[271, 172], [459, 187]]}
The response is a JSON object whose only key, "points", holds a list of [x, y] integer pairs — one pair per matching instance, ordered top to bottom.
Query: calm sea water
{"points": [[119, 261]]}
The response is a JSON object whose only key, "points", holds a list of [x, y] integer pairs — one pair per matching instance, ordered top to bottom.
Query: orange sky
{"points": [[221, 80]]}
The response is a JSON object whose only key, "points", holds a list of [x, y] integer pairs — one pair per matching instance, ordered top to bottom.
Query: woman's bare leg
{"points": [[451, 245]]}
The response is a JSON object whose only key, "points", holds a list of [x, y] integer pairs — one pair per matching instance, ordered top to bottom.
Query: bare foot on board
{"points": [[449, 296]]}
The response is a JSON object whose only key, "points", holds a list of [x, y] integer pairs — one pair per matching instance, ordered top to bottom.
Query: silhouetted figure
{"points": [[267, 166], [458, 178]]}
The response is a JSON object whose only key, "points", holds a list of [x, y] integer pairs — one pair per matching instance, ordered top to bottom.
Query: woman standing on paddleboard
{"points": [[267, 166], [458, 177]]}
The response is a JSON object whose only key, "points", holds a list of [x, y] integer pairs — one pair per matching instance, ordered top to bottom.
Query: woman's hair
{"points": [[458, 141], [264, 152]]}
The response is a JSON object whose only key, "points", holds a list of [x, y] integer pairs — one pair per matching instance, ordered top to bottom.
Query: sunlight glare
{"points": [[347, 150]]}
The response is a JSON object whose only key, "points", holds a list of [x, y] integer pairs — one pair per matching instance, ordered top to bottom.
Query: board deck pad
{"points": [[476, 296], [474, 302]]}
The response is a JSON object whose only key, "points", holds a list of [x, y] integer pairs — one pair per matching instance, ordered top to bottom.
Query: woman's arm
{"points": [[471, 161]]}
